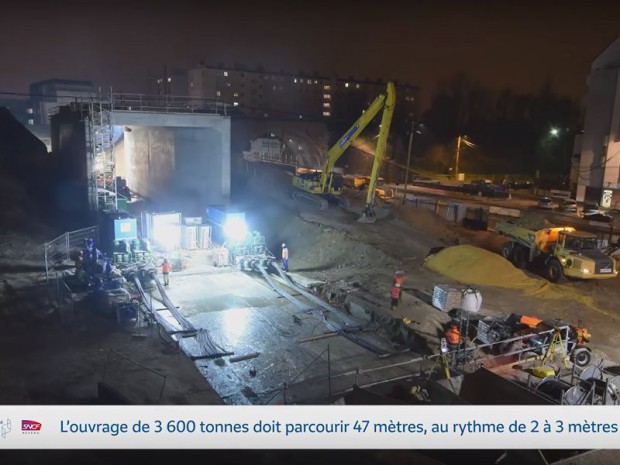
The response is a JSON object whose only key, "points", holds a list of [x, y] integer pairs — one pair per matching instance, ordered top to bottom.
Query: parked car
{"points": [[485, 188], [546, 203], [569, 205], [590, 207], [598, 216]]}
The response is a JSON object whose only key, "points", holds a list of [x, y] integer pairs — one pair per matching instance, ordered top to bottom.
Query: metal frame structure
{"points": [[100, 151]]}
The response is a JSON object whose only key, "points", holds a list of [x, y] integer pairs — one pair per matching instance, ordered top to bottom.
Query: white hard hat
{"points": [[283, 244]]}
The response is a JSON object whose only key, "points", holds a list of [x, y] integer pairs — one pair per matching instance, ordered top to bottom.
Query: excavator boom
{"points": [[386, 121], [317, 187]]}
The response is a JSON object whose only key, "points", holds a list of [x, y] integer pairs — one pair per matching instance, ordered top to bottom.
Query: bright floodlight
{"points": [[554, 131], [235, 229], [166, 231]]}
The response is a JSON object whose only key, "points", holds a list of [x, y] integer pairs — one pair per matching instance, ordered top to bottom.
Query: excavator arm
{"points": [[386, 121], [336, 150]]}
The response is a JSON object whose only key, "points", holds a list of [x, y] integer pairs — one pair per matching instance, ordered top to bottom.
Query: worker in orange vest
{"points": [[165, 269], [395, 295], [453, 336], [583, 336]]}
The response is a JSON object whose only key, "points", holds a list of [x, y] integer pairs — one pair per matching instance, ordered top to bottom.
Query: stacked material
{"points": [[446, 298]]}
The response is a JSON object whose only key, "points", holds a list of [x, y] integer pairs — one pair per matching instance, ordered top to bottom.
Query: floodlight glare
{"points": [[235, 229]]}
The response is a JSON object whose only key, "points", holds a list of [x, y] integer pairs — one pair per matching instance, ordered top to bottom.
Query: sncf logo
{"points": [[30, 427]]}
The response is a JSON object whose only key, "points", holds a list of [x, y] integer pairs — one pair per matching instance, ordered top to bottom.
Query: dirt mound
{"points": [[428, 222], [322, 248], [472, 265]]}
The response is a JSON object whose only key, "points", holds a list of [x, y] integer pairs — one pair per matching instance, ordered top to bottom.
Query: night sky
{"points": [[501, 44]]}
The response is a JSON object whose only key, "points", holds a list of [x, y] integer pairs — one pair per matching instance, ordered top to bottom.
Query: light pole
{"points": [[412, 131], [561, 134], [465, 140], [456, 158], [408, 160]]}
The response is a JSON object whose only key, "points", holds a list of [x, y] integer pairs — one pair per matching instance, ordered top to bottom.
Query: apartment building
{"points": [[293, 96]]}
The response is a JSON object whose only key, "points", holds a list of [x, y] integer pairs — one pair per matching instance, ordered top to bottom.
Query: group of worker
{"points": [[166, 267]]}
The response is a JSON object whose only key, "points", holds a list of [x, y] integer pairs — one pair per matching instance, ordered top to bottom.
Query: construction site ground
{"points": [[44, 361]]}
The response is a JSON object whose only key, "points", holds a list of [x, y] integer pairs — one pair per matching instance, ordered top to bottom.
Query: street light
{"points": [[562, 134], [468, 143]]}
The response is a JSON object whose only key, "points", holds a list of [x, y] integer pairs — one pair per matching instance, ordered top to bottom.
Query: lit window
{"points": [[225, 73], [169, 79], [295, 80], [309, 81], [316, 82], [191, 84], [228, 84], [346, 84], [357, 86], [274, 87], [327, 87], [218, 93], [235, 94], [327, 96], [236, 104], [326, 105], [30, 111], [326, 113], [300, 117], [31, 121]]}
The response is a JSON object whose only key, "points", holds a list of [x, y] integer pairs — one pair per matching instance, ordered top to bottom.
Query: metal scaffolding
{"points": [[100, 146]]}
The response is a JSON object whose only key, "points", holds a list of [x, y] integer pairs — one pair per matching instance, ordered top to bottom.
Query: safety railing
{"points": [[168, 104], [422, 368]]}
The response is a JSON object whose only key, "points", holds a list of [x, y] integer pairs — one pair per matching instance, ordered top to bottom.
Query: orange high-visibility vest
{"points": [[166, 267], [395, 292], [453, 336]]}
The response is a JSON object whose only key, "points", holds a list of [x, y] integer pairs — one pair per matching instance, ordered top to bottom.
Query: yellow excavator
{"points": [[319, 187]]}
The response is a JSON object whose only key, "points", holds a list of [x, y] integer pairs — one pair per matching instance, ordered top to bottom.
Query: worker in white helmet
{"points": [[284, 257]]}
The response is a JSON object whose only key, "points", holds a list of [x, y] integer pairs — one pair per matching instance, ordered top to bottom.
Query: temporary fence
{"points": [[447, 210], [58, 250]]}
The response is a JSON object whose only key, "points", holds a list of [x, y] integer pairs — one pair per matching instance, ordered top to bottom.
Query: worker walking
{"points": [[284, 257], [165, 269]]}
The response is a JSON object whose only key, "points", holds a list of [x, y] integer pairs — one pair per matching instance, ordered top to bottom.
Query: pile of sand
{"points": [[472, 265]]}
